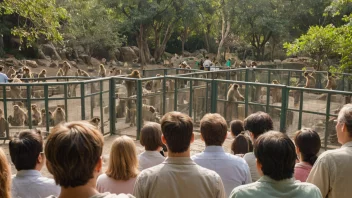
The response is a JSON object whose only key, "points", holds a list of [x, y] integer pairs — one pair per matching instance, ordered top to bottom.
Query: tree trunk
{"points": [[226, 25], [140, 42], [206, 42], [183, 47], [161, 49]]}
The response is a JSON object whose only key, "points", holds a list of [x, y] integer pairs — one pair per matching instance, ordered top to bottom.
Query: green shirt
{"points": [[228, 63], [267, 187]]}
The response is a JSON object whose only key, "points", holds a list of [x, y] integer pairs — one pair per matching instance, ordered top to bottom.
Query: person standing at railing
{"points": [[207, 63], [3, 77]]}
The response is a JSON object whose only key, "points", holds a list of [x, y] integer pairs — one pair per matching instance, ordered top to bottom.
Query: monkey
{"points": [[103, 60], [254, 64], [66, 67], [11, 71], [102, 71], [81, 72], [115, 72], [26, 73], [60, 73], [42, 74], [310, 80], [331, 83], [148, 85], [131, 90], [15, 91], [276, 92], [233, 93], [121, 109], [148, 113], [133, 114], [19, 116], [59, 116], [37, 117], [51, 120], [95, 121], [3, 124]]}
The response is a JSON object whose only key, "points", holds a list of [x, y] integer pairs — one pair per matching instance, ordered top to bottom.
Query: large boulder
{"points": [[136, 50], [50, 51], [127, 54], [187, 54], [86, 59], [94, 61], [11, 62], [43, 62], [31, 63], [53, 64]]}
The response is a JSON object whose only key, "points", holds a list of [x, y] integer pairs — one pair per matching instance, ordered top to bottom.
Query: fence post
{"points": [[289, 78], [28, 88], [164, 93], [175, 93], [214, 95], [65, 98], [190, 98], [246, 100], [83, 102], [46, 103], [112, 105], [101, 106], [284, 106], [139, 107], [300, 109], [5, 110], [327, 118]]}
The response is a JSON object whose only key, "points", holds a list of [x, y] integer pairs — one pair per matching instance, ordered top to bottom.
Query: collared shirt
{"points": [[3, 78], [149, 159], [252, 163], [233, 170], [332, 172], [178, 177], [30, 183], [266, 187], [107, 195]]}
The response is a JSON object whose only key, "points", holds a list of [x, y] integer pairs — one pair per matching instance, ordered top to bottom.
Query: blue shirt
{"points": [[3, 78]]}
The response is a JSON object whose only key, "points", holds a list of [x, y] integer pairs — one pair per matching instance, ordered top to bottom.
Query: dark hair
{"points": [[207, 57], [1, 67], [345, 116], [258, 123], [236, 127], [213, 128], [177, 129], [151, 136], [309, 143], [242, 144], [25, 149], [73, 150], [276, 153]]}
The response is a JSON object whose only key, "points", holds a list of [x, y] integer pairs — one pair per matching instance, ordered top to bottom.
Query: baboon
{"points": [[103, 60], [253, 64], [65, 68], [11, 71], [102, 71], [26, 73], [60, 73], [83, 73], [42, 74], [310, 80], [331, 83], [156, 84], [131, 85], [148, 85], [15, 91], [276, 92], [233, 93], [121, 109], [148, 113], [133, 114], [36, 115], [19, 116], [59, 116], [51, 120], [95, 121], [3, 124]]}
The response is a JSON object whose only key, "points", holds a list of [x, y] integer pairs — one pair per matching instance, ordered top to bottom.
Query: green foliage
{"points": [[36, 19]]}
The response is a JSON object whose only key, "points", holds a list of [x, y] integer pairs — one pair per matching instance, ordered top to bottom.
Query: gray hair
{"points": [[345, 116]]}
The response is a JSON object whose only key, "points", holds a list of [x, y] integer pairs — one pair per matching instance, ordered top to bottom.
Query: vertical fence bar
{"points": [[269, 77], [288, 78], [343, 82], [164, 92], [175, 93], [28, 95], [214, 95], [206, 97], [65, 98], [190, 98], [267, 98], [92, 99], [246, 100], [83, 102], [46, 103], [112, 105], [101, 106], [284, 106], [139, 107], [300, 109], [5, 110], [327, 118]]}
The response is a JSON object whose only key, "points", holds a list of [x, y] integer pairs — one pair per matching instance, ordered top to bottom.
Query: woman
{"points": [[151, 140], [242, 145], [308, 145], [122, 169], [5, 176]]}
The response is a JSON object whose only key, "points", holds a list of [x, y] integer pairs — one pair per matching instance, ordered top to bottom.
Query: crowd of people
{"points": [[263, 162]]}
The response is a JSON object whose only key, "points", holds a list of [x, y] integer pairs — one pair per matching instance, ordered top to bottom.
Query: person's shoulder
{"points": [[331, 155], [197, 156], [249, 156], [150, 171], [207, 172], [308, 187], [243, 190], [109, 195]]}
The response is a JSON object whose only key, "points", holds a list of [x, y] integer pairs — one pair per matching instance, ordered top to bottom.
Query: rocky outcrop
{"points": [[49, 50], [136, 50], [127, 54], [86, 59], [43, 62], [31, 63]]}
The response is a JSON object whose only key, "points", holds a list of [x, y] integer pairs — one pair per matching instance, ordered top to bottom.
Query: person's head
{"points": [[207, 57], [1, 68], [258, 123], [344, 124], [236, 127], [213, 128], [177, 129], [151, 136], [242, 144], [308, 144], [26, 151], [73, 151], [276, 155], [123, 162], [5, 176]]}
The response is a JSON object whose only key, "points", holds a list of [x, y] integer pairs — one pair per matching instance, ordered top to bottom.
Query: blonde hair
{"points": [[123, 163], [5, 176]]}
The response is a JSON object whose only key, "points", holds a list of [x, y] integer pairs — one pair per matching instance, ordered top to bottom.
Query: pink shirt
{"points": [[302, 171], [108, 184]]}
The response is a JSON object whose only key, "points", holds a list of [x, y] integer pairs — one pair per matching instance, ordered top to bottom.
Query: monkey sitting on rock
{"points": [[42, 74], [19, 116], [59, 116], [51, 119]]}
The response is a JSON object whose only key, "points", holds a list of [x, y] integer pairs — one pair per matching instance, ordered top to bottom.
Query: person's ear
{"points": [[252, 136], [201, 137], [192, 138], [163, 140], [297, 150], [40, 158], [99, 165], [259, 167]]}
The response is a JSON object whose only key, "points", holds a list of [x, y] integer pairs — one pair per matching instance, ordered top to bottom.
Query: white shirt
{"points": [[207, 63], [3, 78], [149, 159], [252, 163], [233, 170], [30, 183]]}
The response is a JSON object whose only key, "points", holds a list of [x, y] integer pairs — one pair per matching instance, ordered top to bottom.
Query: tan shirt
{"points": [[332, 172], [178, 177]]}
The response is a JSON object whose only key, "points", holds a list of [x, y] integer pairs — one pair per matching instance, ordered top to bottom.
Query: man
{"points": [[207, 63], [3, 77], [257, 124], [73, 151], [27, 155], [276, 158], [233, 170], [332, 171], [178, 175]]}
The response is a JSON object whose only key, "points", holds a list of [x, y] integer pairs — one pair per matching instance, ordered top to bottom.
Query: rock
{"points": [[50, 50], [136, 50], [203, 51], [117, 54], [127, 54], [187, 54], [200, 56], [86, 59], [94, 61], [152, 61], [11, 62], [43, 62], [31, 63], [112, 63], [119, 63], [73, 64], [53, 65], [136, 65]]}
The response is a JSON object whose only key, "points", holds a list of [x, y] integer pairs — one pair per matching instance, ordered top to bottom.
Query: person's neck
{"points": [[346, 140], [184, 154], [84, 191]]}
